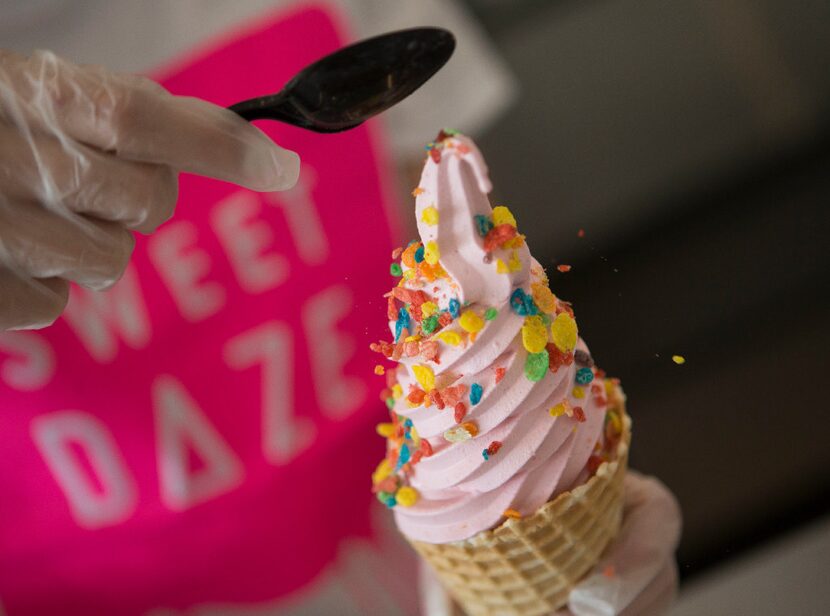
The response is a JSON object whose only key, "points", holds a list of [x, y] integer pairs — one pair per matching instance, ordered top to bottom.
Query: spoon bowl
{"points": [[346, 88]]}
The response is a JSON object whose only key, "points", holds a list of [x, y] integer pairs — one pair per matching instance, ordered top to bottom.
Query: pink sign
{"points": [[203, 432]]}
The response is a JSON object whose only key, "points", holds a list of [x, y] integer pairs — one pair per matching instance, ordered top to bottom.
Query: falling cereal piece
{"points": [[430, 216], [503, 216], [432, 254], [563, 268], [395, 269], [471, 322], [564, 332], [534, 334], [678, 359], [536, 365], [379, 370], [425, 376], [476, 392], [385, 429], [406, 496], [512, 514]]}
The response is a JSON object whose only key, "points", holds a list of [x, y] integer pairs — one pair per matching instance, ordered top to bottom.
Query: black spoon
{"points": [[346, 88]]}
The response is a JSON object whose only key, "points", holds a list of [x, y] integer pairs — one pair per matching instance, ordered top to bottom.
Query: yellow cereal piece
{"points": [[430, 215], [503, 216], [431, 253], [514, 264], [501, 267], [408, 275], [543, 297], [429, 308], [471, 322], [563, 332], [534, 334], [450, 337], [414, 338], [678, 359], [379, 370], [425, 376], [609, 387], [397, 391], [578, 392], [558, 410], [616, 422], [385, 429], [413, 434], [383, 470], [406, 496]]}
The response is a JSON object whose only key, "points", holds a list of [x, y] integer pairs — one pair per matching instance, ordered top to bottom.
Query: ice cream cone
{"points": [[528, 566]]}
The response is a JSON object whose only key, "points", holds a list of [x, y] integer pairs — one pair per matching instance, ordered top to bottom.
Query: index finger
{"points": [[139, 120]]}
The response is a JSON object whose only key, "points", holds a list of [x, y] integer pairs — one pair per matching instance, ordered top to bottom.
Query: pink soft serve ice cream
{"points": [[495, 403]]}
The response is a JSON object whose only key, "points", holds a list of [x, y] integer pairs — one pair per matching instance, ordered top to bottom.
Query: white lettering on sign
{"points": [[303, 218], [244, 239], [182, 267], [100, 319], [329, 350], [30, 364], [182, 428], [284, 435], [110, 500]]}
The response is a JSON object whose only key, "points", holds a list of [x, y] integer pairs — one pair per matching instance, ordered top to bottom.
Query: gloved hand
{"points": [[87, 156], [636, 577]]}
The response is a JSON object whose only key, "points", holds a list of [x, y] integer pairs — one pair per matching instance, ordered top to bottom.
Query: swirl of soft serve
{"points": [[462, 491]]}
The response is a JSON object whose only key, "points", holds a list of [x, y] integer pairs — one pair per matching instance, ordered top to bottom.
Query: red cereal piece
{"points": [[441, 136], [435, 153], [580, 233], [499, 235], [396, 253], [563, 268], [408, 296], [391, 309], [444, 319], [411, 348], [429, 349], [397, 351], [557, 359], [500, 372], [600, 374], [391, 378], [596, 388], [386, 393], [452, 395], [416, 396], [439, 401], [601, 401], [460, 412], [579, 414], [426, 448], [493, 448], [416, 457], [593, 464]]}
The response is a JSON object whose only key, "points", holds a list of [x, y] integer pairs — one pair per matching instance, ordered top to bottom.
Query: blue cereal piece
{"points": [[584, 376], [475, 393]]}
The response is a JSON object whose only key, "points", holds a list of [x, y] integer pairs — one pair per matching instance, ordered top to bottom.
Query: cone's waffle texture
{"points": [[528, 566]]}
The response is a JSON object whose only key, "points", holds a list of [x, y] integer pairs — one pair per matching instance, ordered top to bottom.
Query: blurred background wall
{"points": [[690, 140]]}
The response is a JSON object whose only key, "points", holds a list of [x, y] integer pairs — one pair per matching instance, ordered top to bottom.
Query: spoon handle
{"points": [[274, 107]]}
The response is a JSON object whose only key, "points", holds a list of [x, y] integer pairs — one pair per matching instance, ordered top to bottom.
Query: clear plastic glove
{"points": [[86, 157], [636, 577]]}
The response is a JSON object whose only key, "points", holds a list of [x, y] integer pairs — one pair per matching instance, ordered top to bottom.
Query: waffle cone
{"points": [[528, 566]]}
